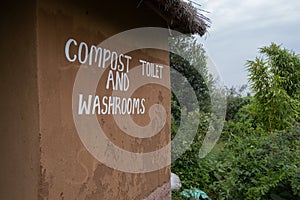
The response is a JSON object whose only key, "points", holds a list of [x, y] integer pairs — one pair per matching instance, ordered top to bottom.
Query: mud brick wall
{"points": [[42, 154]]}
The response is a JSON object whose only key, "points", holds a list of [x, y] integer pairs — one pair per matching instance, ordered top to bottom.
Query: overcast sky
{"points": [[240, 27]]}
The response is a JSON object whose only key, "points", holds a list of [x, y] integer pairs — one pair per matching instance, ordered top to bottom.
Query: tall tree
{"points": [[188, 58], [275, 80]]}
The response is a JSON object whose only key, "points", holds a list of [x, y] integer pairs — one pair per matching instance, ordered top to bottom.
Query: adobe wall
{"points": [[19, 120], [42, 154], [68, 170]]}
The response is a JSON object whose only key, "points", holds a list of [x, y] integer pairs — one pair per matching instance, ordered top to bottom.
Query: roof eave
{"points": [[180, 16]]}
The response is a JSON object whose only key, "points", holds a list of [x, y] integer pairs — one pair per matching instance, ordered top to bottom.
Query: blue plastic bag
{"points": [[194, 193]]}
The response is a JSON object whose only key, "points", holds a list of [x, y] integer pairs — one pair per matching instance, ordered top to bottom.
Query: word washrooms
{"points": [[107, 105]]}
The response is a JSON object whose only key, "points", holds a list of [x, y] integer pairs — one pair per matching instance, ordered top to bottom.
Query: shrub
{"points": [[256, 166]]}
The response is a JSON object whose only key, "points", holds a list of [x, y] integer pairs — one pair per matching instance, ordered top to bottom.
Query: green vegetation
{"points": [[275, 78], [258, 155]]}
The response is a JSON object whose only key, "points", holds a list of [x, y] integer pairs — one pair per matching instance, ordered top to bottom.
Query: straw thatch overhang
{"points": [[180, 16]]}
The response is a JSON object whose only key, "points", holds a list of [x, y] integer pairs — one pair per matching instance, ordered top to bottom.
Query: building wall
{"points": [[19, 120], [42, 156], [68, 170]]}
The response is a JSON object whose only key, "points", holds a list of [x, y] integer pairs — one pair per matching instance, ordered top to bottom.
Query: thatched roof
{"points": [[180, 16]]}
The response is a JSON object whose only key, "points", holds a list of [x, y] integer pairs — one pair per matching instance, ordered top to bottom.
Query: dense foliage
{"points": [[258, 156], [254, 164]]}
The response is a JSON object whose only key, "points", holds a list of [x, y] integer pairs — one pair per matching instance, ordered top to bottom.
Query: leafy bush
{"points": [[187, 166], [249, 166]]}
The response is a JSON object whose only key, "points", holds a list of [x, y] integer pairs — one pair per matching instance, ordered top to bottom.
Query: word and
{"points": [[117, 81]]}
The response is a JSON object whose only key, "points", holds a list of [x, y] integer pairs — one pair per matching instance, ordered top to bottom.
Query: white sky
{"points": [[240, 27]]}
